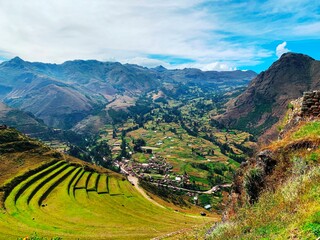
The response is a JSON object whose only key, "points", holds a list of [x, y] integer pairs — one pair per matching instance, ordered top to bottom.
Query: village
{"points": [[157, 170]]}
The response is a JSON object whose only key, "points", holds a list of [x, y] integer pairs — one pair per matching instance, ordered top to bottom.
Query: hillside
{"points": [[64, 94], [264, 102], [24, 122], [55, 195], [276, 195]]}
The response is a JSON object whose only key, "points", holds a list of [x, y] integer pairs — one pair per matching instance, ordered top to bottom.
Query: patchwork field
{"points": [[66, 200]]}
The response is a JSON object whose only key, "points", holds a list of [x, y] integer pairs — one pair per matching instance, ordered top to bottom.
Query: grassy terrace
{"points": [[65, 200]]}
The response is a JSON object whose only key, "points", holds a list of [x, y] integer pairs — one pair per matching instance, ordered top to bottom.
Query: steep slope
{"points": [[64, 94], [265, 100], [58, 104], [24, 122], [277, 194], [56, 195]]}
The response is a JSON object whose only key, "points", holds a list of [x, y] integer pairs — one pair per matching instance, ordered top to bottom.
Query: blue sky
{"points": [[210, 35]]}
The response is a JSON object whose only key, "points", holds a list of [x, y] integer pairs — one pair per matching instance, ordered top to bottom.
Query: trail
{"points": [[135, 181], [210, 191]]}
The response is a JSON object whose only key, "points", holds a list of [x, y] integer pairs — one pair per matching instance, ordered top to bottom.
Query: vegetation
{"points": [[311, 129], [72, 199], [284, 204], [35, 236]]}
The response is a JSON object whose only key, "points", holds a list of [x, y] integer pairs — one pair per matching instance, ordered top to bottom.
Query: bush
{"points": [[290, 106]]}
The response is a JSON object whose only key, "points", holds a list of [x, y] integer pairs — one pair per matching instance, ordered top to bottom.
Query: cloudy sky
{"points": [[211, 35]]}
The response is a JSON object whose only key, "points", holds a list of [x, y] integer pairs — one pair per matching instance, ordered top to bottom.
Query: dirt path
{"points": [[135, 181]]}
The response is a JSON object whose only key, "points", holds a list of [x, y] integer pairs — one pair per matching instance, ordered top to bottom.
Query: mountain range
{"points": [[62, 95]]}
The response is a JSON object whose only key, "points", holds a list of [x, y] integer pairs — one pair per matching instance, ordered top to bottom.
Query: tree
{"points": [[114, 134], [138, 144], [123, 153]]}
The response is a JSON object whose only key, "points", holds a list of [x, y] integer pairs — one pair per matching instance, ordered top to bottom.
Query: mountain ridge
{"points": [[64, 94], [264, 102]]}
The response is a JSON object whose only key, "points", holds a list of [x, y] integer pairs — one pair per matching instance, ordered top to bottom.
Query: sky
{"points": [[207, 34]]}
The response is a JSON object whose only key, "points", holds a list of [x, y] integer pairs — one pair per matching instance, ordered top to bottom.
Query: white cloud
{"points": [[310, 29], [59, 30], [217, 35], [281, 49], [147, 62], [214, 66], [218, 66]]}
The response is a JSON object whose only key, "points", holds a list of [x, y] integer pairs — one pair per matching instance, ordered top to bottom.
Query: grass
{"points": [[311, 129], [102, 184], [91, 186], [47, 202], [87, 215], [35, 236]]}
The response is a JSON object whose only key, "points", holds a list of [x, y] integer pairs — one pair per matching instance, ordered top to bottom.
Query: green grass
{"points": [[310, 129], [82, 183], [102, 184], [91, 186], [122, 214]]}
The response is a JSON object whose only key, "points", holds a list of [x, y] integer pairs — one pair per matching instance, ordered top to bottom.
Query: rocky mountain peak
{"points": [[264, 102]]}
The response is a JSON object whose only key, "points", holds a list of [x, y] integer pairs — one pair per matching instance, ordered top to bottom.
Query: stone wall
{"points": [[311, 104]]}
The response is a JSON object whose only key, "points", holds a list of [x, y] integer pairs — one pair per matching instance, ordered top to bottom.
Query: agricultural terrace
{"points": [[56, 195], [73, 202]]}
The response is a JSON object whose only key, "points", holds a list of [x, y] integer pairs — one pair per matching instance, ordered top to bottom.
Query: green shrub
{"points": [[290, 106], [310, 129], [314, 157], [314, 225]]}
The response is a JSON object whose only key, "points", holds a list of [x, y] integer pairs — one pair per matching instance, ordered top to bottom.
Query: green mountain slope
{"points": [[64, 94], [24, 122], [51, 194]]}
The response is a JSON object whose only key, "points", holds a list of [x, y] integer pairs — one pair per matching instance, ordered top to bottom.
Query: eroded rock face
{"points": [[311, 104], [266, 161]]}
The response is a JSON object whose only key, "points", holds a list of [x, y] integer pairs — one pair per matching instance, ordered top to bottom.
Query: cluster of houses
{"points": [[155, 165], [158, 166]]}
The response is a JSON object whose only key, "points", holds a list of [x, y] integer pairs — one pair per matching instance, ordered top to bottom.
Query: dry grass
{"points": [[278, 215]]}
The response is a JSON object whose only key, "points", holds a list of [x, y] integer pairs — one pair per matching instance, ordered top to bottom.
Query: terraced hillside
{"points": [[73, 201]]}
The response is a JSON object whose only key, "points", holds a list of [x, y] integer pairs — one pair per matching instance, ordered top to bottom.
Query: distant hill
{"points": [[64, 94], [264, 102], [22, 121]]}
